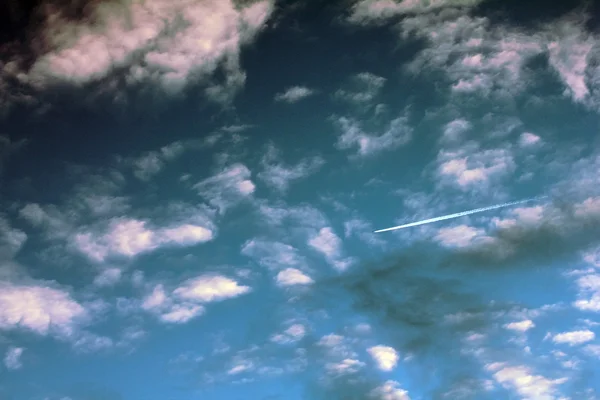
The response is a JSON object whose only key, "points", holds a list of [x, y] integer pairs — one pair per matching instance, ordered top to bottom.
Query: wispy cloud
{"points": [[361, 89], [294, 94], [397, 134], [279, 176], [227, 187], [330, 245], [12, 359]]}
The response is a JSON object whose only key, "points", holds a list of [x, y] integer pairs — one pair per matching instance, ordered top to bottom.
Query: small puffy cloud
{"points": [[375, 11], [362, 89], [294, 94], [454, 130], [397, 134], [528, 139], [469, 168], [279, 176], [227, 188], [460, 236], [130, 237], [11, 239], [330, 245], [272, 254], [293, 276], [108, 277], [210, 288], [589, 293], [186, 302], [40, 309], [520, 326], [292, 334], [574, 337], [91, 343], [385, 357], [12, 359], [344, 367], [524, 382], [390, 390]]}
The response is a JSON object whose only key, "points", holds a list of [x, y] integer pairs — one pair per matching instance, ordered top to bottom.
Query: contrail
{"points": [[456, 215]]}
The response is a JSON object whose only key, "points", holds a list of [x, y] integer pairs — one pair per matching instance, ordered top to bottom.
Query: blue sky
{"points": [[189, 190]]}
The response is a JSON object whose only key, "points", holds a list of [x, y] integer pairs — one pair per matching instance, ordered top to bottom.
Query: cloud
{"points": [[376, 11], [168, 45], [362, 89], [294, 94], [454, 130], [397, 134], [528, 139], [152, 162], [468, 167], [278, 175], [227, 188], [362, 230], [460, 236], [127, 238], [11, 240], [329, 244], [271, 254], [293, 276], [108, 277], [186, 301], [43, 310], [520, 326], [291, 335], [574, 337], [385, 357], [12, 359], [343, 367], [521, 379], [390, 390]]}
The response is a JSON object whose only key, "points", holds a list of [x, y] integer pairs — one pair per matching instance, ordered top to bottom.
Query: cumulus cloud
{"points": [[166, 44], [362, 89], [294, 94], [454, 130], [397, 134], [528, 139], [469, 167], [279, 176], [227, 188], [460, 236], [129, 237], [11, 240], [330, 245], [272, 254], [293, 276], [108, 277], [187, 301], [40, 309], [520, 326], [292, 334], [574, 337], [386, 357], [12, 359], [524, 382], [390, 390]]}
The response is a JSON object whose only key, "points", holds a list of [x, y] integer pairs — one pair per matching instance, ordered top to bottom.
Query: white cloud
{"points": [[374, 11], [169, 44], [362, 89], [294, 94], [454, 130], [397, 134], [528, 139], [468, 168], [278, 175], [227, 188], [363, 230], [460, 236], [130, 237], [11, 240], [329, 244], [272, 254], [293, 276], [108, 277], [210, 288], [589, 293], [185, 302], [40, 309], [520, 326], [292, 334], [574, 337], [89, 343], [385, 357], [12, 359], [345, 366], [521, 379], [390, 390]]}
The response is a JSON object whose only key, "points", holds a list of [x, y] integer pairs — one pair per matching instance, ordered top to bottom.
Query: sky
{"points": [[189, 191]]}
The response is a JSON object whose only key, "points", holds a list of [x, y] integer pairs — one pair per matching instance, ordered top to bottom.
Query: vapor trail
{"points": [[456, 215]]}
